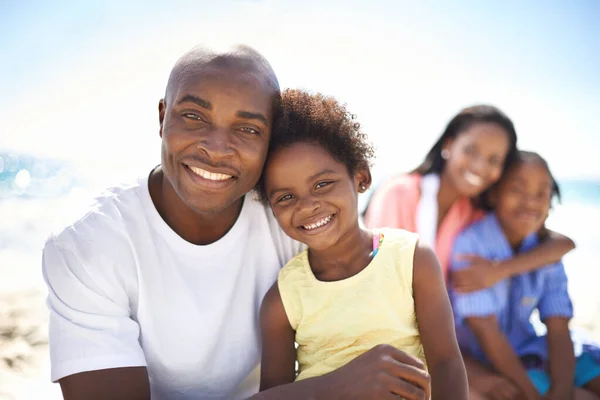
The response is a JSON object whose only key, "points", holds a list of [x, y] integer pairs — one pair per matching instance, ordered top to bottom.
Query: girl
{"points": [[437, 199], [352, 289], [493, 325]]}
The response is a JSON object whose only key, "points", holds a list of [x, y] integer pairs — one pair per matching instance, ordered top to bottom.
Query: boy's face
{"points": [[215, 129], [312, 195], [522, 200]]}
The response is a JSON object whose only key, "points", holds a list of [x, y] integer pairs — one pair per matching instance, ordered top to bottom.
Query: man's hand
{"points": [[480, 274], [383, 372], [498, 388]]}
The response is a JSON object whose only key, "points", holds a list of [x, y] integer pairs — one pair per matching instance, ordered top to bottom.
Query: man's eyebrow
{"points": [[196, 100], [251, 115]]}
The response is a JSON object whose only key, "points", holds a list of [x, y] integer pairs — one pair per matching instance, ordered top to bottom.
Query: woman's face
{"points": [[475, 158]]}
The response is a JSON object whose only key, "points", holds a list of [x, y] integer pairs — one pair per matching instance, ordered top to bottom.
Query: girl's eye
{"points": [[249, 130], [321, 185], [285, 197]]}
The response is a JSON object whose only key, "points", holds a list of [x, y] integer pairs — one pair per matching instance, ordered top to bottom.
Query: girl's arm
{"points": [[483, 273], [434, 316], [278, 349], [501, 354], [562, 358]]}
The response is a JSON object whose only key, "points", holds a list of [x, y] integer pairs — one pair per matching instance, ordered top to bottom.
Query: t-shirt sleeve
{"points": [[555, 302], [480, 303], [90, 326]]}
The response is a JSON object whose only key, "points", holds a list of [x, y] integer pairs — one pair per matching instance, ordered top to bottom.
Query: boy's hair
{"points": [[320, 120], [523, 156]]}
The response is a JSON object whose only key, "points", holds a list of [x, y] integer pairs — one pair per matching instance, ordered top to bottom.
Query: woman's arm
{"points": [[552, 248], [483, 273], [434, 316], [278, 349], [501, 354]]}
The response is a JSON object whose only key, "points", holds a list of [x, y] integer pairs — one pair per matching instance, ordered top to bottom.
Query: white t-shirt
{"points": [[125, 290]]}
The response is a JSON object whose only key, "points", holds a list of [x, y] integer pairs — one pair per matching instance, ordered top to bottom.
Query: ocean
{"points": [[39, 195]]}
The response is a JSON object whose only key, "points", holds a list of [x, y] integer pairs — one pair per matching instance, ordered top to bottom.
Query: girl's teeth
{"points": [[318, 224]]}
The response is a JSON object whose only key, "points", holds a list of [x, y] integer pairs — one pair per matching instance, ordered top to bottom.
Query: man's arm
{"points": [[434, 316], [94, 346], [501, 353], [562, 358], [382, 373], [114, 383]]}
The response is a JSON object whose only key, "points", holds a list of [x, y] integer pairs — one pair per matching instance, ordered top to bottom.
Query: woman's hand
{"points": [[480, 274]]}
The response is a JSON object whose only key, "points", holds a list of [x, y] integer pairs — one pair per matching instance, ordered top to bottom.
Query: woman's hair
{"points": [[466, 118], [320, 120], [521, 157], [435, 163]]}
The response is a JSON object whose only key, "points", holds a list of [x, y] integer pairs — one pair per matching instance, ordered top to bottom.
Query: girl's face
{"points": [[476, 158], [312, 195], [522, 200]]}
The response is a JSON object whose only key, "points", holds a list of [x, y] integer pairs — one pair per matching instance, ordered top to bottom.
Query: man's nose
{"points": [[217, 143]]}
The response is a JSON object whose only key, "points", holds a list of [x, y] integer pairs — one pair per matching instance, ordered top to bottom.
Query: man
{"points": [[156, 291]]}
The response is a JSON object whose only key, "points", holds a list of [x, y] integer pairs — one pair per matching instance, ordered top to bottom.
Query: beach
{"points": [[27, 221]]}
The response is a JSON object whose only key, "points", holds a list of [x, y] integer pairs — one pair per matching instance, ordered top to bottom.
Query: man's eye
{"points": [[193, 116], [252, 131], [321, 185]]}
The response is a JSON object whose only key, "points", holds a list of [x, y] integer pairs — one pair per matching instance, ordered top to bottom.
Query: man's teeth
{"points": [[209, 175], [473, 179], [318, 224]]}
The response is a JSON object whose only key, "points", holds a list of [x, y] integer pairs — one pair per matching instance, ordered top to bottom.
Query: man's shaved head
{"points": [[239, 58], [215, 124]]}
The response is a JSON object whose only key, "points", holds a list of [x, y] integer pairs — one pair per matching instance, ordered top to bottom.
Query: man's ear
{"points": [[162, 106], [362, 179]]}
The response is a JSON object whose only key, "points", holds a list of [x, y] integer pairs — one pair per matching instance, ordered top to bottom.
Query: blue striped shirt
{"points": [[511, 301]]}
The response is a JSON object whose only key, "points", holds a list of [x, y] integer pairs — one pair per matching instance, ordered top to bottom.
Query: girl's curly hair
{"points": [[320, 120]]}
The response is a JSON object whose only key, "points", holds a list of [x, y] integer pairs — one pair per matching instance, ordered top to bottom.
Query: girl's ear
{"points": [[362, 179]]}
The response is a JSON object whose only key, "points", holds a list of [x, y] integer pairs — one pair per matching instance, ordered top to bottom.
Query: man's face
{"points": [[215, 129]]}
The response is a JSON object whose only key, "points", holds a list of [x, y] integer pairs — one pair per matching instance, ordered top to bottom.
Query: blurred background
{"points": [[80, 84]]}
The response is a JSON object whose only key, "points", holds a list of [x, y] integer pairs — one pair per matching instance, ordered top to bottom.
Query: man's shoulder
{"points": [[103, 218], [266, 229]]}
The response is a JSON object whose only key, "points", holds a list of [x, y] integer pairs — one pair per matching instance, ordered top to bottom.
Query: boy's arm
{"points": [[484, 273], [556, 310], [434, 316], [278, 349], [501, 354], [562, 358]]}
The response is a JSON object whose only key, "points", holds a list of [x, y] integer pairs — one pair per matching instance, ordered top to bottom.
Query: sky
{"points": [[81, 80]]}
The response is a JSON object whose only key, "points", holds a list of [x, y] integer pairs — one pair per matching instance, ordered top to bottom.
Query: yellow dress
{"points": [[338, 321]]}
